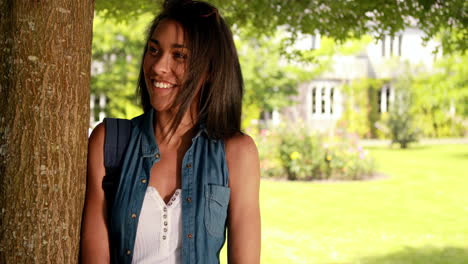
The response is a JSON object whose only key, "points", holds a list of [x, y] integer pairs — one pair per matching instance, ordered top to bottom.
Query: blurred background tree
{"points": [[338, 19], [117, 51], [269, 81], [441, 97], [401, 117]]}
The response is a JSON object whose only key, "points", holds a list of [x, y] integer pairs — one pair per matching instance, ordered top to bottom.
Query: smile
{"points": [[162, 85]]}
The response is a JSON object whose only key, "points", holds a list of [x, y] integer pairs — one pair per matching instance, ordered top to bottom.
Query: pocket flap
{"points": [[218, 193]]}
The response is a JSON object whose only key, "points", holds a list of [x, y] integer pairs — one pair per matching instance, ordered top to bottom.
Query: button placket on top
{"points": [[166, 219]]}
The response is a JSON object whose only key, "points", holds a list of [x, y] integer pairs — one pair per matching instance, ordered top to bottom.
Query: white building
{"points": [[320, 101]]}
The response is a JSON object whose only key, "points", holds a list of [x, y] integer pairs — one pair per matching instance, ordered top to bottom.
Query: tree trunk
{"points": [[45, 55]]}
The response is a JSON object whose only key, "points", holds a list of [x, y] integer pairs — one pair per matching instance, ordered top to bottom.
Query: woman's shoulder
{"points": [[98, 134], [241, 143], [241, 152], [244, 170]]}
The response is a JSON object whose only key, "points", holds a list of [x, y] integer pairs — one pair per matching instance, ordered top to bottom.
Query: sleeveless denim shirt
{"points": [[205, 194]]}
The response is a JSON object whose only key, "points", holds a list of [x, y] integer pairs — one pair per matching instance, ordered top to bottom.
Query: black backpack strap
{"points": [[116, 140]]}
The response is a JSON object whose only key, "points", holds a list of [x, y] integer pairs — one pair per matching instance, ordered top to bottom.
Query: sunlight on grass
{"points": [[419, 212]]}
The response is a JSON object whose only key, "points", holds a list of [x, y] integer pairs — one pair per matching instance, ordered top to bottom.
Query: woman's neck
{"points": [[183, 132]]}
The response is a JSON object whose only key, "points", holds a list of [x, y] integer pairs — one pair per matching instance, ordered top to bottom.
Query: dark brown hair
{"points": [[213, 63]]}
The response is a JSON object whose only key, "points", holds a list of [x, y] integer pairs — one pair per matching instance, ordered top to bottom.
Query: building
{"points": [[320, 102]]}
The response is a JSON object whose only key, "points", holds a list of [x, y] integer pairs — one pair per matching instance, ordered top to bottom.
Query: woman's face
{"points": [[164, 64]]}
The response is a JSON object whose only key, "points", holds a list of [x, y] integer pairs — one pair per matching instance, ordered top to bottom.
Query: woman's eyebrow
{"points": [[154, 41], [175, 45], [179, 46]]}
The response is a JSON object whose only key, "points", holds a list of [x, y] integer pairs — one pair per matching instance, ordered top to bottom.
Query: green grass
{"points": [[418, 214]]}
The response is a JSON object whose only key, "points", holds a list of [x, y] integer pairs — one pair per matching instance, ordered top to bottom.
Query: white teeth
{"points": [[162, 85]]}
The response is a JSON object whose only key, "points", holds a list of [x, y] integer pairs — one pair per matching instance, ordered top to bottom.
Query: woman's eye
{"points": [[153, 50], [180, 56]]}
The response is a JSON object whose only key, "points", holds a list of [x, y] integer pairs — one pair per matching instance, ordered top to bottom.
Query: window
{"points": [[392, 39], [400, 40], [392, 43], [383, 46], [384, 96], [314, 100], [323, 100], [379, 101], [322, 105]]}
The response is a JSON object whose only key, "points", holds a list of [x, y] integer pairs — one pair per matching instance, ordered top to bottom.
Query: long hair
{"points": [[213, 63]]}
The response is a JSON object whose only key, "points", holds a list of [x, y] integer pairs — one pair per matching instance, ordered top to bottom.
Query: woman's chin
{"points": [[162, 99], [161, 107]]}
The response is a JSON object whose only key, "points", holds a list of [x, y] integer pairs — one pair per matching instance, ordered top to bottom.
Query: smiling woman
{"points": [[204, 62], [164, 64], [164, 186]]}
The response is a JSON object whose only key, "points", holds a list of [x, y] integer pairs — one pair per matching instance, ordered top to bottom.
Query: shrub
{"points": [[401, 118], [300, 153], [303, 155], [270, 164]]}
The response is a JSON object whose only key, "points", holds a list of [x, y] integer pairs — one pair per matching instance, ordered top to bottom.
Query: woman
{"points": [[188, 173]]}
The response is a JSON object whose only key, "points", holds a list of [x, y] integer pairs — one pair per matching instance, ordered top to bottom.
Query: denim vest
{"points": [[205, 194]]}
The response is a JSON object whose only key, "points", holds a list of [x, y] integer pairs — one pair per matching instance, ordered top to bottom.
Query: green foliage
{"points": [[126, 11], [340, 20], [117, 50], [269, 79], [441, 96], [360, 113], [401, 117], [267, 143], [303, 155]]}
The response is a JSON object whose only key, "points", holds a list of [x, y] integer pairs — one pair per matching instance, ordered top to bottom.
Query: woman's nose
{"points": [[162, 65]]}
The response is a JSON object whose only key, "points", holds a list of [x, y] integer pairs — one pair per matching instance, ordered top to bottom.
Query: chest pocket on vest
{"points": [[216, 205]]}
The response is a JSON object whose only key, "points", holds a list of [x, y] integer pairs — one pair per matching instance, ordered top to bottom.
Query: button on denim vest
{"points": [[205, 194]]}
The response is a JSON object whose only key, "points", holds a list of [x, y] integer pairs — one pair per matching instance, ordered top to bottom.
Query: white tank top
{"points": [[158, 238]]}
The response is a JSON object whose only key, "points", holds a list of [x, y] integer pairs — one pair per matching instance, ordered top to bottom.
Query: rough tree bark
{"points": [[45, 54]]}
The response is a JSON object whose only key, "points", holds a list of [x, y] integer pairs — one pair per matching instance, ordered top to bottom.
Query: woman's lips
{"points": [[163, 85], [162, 88]]}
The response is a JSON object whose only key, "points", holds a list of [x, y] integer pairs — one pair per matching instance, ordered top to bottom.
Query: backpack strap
{"points": [[116, 140]]}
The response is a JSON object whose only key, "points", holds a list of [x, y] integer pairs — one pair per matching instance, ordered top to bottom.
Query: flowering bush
{"points": [[303, 155], [270, 164]]}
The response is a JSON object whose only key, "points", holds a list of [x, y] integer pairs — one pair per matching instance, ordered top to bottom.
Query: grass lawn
{"points": [[417, 215]]}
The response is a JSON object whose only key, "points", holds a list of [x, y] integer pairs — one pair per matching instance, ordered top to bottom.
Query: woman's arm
{"points": [[244, 211], [94, 235]]}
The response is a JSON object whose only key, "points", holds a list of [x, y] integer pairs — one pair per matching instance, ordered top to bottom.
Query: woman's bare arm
{"points": [[94, 235], [244, 236]]}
